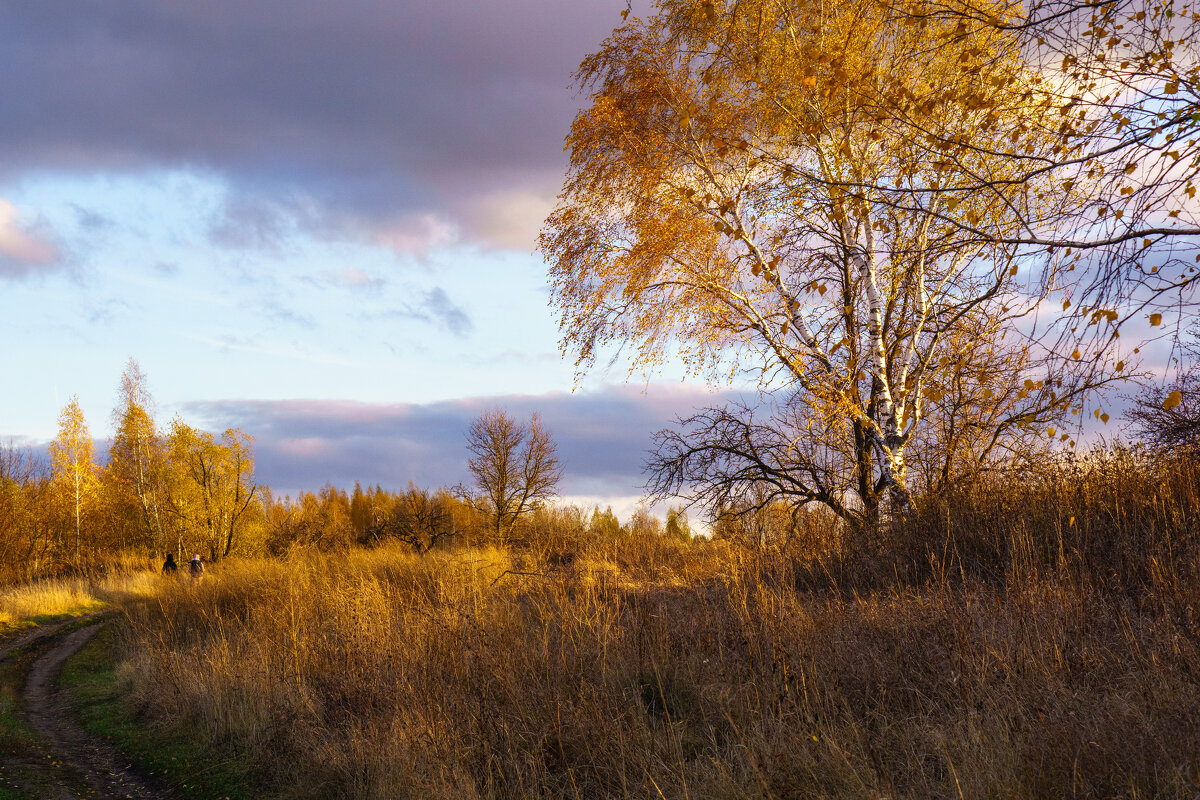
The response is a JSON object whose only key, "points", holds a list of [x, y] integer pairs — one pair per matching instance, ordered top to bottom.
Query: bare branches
{"points": [[1168, 416], [721, 456], [515, 466]]}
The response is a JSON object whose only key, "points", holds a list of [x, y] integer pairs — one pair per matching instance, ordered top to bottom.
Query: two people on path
{"points": [[195, 566]]}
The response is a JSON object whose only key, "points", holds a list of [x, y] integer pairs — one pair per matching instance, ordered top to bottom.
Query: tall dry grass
{"points": [[24, 604], [1048, 666]]}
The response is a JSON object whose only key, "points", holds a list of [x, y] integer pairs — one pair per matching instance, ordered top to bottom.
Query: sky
{"points": [[311, 221]]}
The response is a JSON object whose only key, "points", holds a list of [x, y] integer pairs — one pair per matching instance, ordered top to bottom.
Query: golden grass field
{"points": [[25, 604], [1035, 645], [384, 675]]}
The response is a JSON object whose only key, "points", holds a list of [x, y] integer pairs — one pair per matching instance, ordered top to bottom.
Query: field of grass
{"points": [[1030, 641], [387, 675]]}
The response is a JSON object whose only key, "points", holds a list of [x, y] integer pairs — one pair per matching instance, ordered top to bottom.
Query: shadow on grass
{"points": [[172, 757]]}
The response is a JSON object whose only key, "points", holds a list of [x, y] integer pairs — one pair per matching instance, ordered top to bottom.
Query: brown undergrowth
{"points": [[666, 669]]}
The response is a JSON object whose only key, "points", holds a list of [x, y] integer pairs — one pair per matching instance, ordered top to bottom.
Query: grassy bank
{"points": [[56, 599], [166, 753]]}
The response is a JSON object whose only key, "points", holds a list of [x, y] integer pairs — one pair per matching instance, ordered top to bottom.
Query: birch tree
{"points": [[739, 198], [138, 453], [73, 470]]}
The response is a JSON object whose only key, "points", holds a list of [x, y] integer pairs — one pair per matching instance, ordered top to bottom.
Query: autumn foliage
{"points": [[799, 193]]}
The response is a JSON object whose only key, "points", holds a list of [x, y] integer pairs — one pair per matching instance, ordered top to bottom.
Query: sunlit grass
{"points": [[40, 601], [1033, 641]]}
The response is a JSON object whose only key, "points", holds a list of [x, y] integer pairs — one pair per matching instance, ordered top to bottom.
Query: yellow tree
{"points": [[1122, 78], [739, 196], [137, 454], [74, 472], [212, 485]]}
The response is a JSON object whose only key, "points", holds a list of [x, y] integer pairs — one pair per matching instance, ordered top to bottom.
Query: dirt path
{"points": [[15, 642], [104, 770]]}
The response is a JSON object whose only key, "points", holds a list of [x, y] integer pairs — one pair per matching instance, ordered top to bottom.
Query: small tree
{"points": [[1168, 417], [515, 467], [74, 470], [418, 518], [677, 525]]}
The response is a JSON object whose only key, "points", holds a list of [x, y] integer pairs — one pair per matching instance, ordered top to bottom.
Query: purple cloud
{"points": [[382, 115], [602, 436]]}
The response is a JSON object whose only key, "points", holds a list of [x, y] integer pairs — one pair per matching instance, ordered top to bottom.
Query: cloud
{"points": [[389, 118], [90, 219], [507, 219], [244, 222], [416, 234], [22, 252], [351, 278], [435, 306], [442, 308], [106, 311], [250, 344], [602, 436]]}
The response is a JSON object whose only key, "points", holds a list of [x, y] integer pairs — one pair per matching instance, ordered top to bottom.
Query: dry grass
{"points": [[23, 604], [1037, 668], [385, 676]]}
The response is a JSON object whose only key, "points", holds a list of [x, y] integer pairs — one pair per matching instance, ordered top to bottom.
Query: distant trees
{"points": [[514, 465], [186, 490], [26, 508], [420, 518]]}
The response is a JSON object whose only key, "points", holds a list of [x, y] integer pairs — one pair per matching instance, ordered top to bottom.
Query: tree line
{"points": [[178, 489]]}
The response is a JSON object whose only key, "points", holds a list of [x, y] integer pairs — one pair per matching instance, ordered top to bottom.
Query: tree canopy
{"points": [[784, 189]]}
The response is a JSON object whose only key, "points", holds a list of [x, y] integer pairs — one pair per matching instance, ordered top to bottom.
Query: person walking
{"points": [[169, 567], [196, 568]]}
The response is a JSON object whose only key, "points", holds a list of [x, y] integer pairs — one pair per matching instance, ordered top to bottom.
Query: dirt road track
{"points": [[17, 641], [105, 772]]}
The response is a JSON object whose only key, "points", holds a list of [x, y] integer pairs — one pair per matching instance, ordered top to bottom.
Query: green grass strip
{"points": [[175, 757], [27, 771]]}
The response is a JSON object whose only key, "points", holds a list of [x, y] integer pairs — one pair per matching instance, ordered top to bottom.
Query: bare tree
{"points": [[1168, 417], [515, 467]]}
